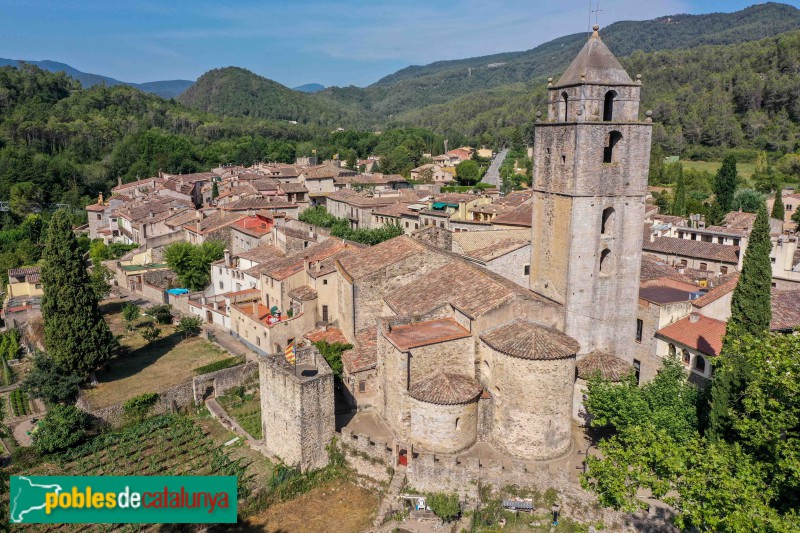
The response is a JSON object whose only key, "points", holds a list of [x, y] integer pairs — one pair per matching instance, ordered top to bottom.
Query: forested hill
{"points": [[234, 91], [742, 95]]}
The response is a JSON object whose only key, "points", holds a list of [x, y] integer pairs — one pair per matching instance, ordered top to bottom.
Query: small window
{"points": [[565, 100], [608, 106], [608, 152], [99, 216], [607, 222], [406, 225], [416, 226], [772, 260], [605, 263], [683, 263], [703, 266], [527, 270], [723, 270], [324, 281], [221, 285], [639, 328], [258, 341], [672, 350], [686, 357], [700, 363], [637, 368], [362, 386], [458, 424]]}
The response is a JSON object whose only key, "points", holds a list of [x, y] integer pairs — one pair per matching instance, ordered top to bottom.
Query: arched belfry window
{"points": [[565, 100], [608, 106], [608, 152], [607, 223], [605, 261], [700, 363]]}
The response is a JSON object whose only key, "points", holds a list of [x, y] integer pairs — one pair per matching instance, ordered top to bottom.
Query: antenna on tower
{"points": [[596, 11]]}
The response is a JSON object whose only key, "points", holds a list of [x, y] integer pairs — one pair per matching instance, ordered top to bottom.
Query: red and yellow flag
{"points": [[289, 353]]}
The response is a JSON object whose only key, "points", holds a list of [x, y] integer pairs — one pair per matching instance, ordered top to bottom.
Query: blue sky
{"points": [[298, 41]]}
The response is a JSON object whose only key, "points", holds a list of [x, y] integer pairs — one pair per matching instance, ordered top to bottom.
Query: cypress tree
{"points": [[725, 183], [214, 190], [679, 203], [777, 208], [751, 313], [75, 334]]}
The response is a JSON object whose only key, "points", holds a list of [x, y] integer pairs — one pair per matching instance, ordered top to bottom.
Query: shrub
{"points": [[130, 312], [161, 313], [189, 326], [150, 332], [218, 365], [50, 383], [137, 407], [62, 427], [445, 506]]}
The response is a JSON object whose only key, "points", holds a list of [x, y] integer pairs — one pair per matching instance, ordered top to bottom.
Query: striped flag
{"points": [[289, 353]]}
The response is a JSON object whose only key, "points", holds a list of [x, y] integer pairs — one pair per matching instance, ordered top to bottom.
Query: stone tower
{"points": [[591, 160]]}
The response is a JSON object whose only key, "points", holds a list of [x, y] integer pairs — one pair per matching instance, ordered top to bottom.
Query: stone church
{"points": [[448, 354]]}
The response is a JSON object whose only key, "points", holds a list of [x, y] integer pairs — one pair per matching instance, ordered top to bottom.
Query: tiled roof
{"points": [[293, 187], [455, 197], [514, 199], [247, 204], [96, 207], [395, 210], [519, 216], [214, 222], [469, 241], [498, 249], [694, 249], [262, 254], [380, 256], [328, 265], [283, 268], [654, 268], [25, 271], [471, 289], [717, 292], [303, 293], [664, 294], [785, 310], [698, 332], [425, 333], [328, 334], [527, 340], [364, 354], [608, 366], [446, 389]]}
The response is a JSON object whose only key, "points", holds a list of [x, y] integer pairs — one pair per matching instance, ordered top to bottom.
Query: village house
{"points": [[432, 173], [791, 202], [214, 227], [251, 232]]}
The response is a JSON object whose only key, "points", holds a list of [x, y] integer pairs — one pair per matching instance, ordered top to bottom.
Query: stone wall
{"points": [[435, 236], [157, 244], [512, 266], [153, 293], [223, 380], [169, 401], [297, 411], [444, 428]]}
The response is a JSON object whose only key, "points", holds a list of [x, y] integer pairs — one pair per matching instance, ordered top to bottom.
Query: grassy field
{"points": [[744, 169], [148, 366], [245, 409]]}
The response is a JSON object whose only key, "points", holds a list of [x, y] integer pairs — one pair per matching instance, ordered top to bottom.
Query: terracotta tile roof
{"points": [[293, 187], [456, 197], [355, 199], [515, 199], [247, 204], [96, 207], [490, 208], [395, 210], [519, 216], [180, 218], [670, 219], [739, 220], [214, 222], [469, 241], [498, 249], [694, 249], [262, 254], [377, 257], [328, 265], [283, 268], [654, 268], [24, 271], [469, 288], [717, 292], [304, 293], [664, 294], [785, 310], [698, 332], [425, 333], [328, 334], [527, 340], [364, 355], [608, 366], [446, 389]]}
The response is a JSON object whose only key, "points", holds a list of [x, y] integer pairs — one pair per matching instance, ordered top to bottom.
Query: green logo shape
{"points": [[123, 499]]}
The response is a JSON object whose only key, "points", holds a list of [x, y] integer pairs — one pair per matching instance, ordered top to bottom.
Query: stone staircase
{"points": [[390, 498]]}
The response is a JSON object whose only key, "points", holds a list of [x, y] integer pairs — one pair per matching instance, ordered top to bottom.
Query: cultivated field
{"points": [[743, 169]]}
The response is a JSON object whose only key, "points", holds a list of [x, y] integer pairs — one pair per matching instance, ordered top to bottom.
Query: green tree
{"points": [[656, 171], [468, 172], [764, 178], [725, 183], [214, 190], [26, 197], [748, 200], [679, 202], [778, 210], [796, 217], [192, 263], [99, 278], [130, 312], [161, 313], [751, 313], [189, 326], [75, 334], [332, 352], [50, 383], [62, 427], [445, 506]]}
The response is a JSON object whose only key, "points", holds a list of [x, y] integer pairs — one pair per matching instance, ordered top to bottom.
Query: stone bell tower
{"points": [[591, 160]]}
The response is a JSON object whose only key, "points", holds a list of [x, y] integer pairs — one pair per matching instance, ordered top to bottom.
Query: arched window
{"points": [[565, 99], [608, 106], [608, 152], [607, 225], [605, 262], [672, 350], [686, 356], [700, 363], [458, 424]]}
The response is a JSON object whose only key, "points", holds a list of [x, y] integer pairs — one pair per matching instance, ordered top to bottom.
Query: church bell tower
{"points": [[591, 159]]}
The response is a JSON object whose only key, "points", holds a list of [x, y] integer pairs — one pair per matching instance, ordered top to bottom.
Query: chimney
{"points": [[119, 181], [200, 214], [227, 258], [318, 266], [694, 318]]}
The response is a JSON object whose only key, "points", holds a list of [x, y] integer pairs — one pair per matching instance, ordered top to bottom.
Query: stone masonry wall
{"points": [[223, 380], [443, 428]]}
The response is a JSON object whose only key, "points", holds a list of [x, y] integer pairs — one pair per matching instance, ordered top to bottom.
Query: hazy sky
{"points": [[298, 41]]}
